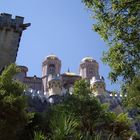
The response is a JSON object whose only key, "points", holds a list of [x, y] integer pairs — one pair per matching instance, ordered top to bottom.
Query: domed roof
{"points": [[52, 56], [88, 58], [23, 68]]}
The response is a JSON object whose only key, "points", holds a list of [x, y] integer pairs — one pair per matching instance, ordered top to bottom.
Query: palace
{"points": [[52, 83], [53, 86]]}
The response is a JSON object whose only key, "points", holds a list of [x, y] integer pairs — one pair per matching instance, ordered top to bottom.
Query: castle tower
{"points": [[10, 35], [50, 66], [89, 68], [22, 74], [54, 85], [97, 85]]}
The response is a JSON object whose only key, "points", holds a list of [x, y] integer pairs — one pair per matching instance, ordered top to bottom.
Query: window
{"points": [[51, 69], [91, 71]]}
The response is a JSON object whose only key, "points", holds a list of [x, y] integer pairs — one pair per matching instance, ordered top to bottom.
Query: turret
{"points": [[10, 36], [50, 66], [89, 68], [22, 74], [54, 85], [97, 85]]}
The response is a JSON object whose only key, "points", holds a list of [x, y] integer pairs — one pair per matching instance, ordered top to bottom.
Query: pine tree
{"points": [[13, 115]]}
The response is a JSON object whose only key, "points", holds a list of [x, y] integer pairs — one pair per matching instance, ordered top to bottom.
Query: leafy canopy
{"points": [[117, 21], [81, 116]]}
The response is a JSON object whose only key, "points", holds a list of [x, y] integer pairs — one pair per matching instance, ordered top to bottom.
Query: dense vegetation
{"points": [[117, 22], [13, 115], [81, 116]]}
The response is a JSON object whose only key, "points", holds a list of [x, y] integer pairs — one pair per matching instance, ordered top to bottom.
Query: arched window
{"points": [[51, 69]]}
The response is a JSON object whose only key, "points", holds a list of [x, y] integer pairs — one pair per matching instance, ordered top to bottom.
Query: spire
{"points": [[68, 70]]}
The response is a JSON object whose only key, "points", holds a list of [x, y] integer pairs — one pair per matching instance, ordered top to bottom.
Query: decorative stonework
{"points": [[55, 83], [98, 86]]}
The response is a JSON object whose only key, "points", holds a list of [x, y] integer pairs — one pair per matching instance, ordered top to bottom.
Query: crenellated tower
{"points": [[10, 36]]}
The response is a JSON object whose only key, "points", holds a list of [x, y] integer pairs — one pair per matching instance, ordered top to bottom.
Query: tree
{"points": [[117, 21], [82, 89], [133, 90], [132, 101], [13, 115], [81, 116], [63, 126], [120, 127]]}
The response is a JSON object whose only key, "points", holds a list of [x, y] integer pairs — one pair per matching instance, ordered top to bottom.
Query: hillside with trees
{"points": [[81, 116]]}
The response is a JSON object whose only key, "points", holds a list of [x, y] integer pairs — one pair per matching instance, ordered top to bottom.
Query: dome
{"points": [[52, 57], [88, 58], [23, 68]]}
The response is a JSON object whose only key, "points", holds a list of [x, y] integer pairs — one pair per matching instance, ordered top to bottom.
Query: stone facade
{"points": [[10, 36], [34, 82], [53, 85]]}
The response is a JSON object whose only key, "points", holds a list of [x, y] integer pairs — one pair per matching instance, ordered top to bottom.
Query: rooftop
{"points": [[88, 58]]}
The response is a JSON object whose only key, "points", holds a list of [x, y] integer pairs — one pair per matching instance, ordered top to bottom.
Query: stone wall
{"points": [[10, 36]]}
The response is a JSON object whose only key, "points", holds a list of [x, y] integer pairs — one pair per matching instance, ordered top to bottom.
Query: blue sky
{"points": [[60, 27]]}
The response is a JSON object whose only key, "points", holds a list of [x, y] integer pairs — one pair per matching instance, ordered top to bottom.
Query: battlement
{"points": [[17, 23], [10, 35]]}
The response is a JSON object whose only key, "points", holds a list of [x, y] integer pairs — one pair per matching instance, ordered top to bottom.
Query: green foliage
{"points": [[117, 21], [82, 88], [133, 94], [13, 116], [81, 116], [40, 123], [63, 126], [121, 126], [39, 136], [87, 136]]}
